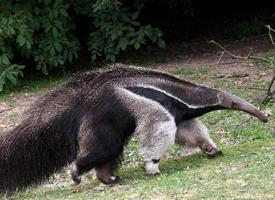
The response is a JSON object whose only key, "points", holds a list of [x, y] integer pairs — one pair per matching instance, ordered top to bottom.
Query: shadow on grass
{"points": [[240, 153], [168, 167]]}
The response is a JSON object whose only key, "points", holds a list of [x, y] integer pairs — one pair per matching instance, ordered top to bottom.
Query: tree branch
{"points": [[270, 34], [249, 56], [269, 92]]}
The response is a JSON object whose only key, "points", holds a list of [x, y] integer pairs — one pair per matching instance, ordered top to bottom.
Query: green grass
{"points": [[34, 85], [246, 171]]}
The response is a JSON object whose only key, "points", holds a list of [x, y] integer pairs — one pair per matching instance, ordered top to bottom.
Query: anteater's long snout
{"points": [[233, 102]]}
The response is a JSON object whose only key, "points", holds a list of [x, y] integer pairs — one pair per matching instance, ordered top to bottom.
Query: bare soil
{"points": [[201, 54]]}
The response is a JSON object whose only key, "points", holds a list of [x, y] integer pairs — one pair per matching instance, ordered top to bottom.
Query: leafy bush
{"points": [[115, 28], [34, 31], [41, 33]]}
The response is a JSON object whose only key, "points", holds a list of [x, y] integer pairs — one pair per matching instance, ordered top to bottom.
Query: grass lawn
{"points": [[246, 171]]}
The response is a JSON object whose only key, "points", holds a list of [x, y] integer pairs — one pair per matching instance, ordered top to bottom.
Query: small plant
{"points": [[185, 70]]}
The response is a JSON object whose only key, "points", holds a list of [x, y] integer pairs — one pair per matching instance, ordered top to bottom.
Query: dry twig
{"points": [[270, 34], [249, 56], [220, 58], [256, 88], [269, 92], [5, 110], [243, 123]]}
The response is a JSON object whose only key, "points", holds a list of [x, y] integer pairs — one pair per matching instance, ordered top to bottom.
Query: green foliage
{"points": [[186, 6], [116, 28], [34, 31], [42, 33]]}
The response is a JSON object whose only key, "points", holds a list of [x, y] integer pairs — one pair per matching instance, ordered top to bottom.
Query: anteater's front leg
{"points": [[155, 127], [158, 134]]}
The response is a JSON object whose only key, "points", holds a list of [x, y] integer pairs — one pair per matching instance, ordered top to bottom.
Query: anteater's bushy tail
{"points": [[34, 150]]}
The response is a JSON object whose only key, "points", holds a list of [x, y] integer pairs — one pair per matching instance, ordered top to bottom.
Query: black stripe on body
{"points": [[178, 109]]}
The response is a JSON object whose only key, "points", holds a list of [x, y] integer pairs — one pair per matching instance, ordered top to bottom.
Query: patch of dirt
{"points": [[201, 54], [208, 55], [11, 113], [235, 168], [239, 182]]}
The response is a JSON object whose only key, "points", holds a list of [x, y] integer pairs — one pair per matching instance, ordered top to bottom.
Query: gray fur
{"points": [[87, 122], [155, 129], [188, 131], [193, 133]]}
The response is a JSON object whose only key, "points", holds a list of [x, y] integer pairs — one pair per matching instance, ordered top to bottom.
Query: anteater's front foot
{"points": [[152, 167], [75, 173]]}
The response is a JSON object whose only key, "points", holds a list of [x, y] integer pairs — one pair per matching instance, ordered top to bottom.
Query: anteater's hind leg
{"points": [[194, 133], [100, 147], [80, 166], [105, 172]]}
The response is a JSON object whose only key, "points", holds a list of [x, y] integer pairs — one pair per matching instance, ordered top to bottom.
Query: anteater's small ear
{"points": [[233, 102]]}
